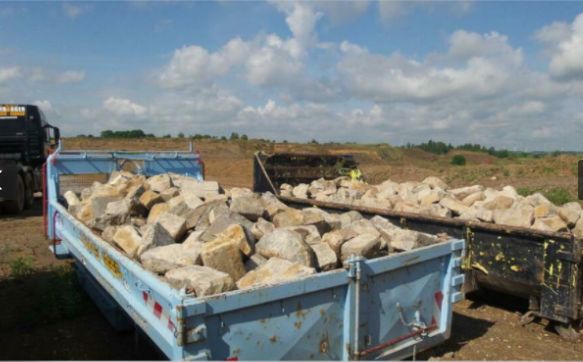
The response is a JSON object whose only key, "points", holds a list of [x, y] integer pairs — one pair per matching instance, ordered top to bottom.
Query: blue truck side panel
{"points": [[389, 307]]}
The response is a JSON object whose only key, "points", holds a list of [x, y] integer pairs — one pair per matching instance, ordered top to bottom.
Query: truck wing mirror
{"points": [[57, 135]]}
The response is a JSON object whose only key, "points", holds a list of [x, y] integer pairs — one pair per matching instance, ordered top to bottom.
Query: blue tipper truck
{"points": [[385, 308]]}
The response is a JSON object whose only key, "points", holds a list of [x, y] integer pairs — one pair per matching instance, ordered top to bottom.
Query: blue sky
{"points": [[507, 74]]}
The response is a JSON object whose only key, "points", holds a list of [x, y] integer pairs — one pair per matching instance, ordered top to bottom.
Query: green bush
{"points": [[458, 160], [556, 195], [21, 267]]}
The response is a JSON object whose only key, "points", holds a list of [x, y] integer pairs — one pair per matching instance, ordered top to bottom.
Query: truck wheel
{"points": [[28, 192], [16, 206], [567, 331]]}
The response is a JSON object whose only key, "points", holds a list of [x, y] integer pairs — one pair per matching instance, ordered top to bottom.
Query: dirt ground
{"points": [[45, 314]]}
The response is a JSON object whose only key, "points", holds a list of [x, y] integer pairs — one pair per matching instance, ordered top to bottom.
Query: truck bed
{"points": [[388, 307]]}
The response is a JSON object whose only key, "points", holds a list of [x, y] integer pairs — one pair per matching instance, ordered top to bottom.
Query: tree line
{"points": [[442, 148]]}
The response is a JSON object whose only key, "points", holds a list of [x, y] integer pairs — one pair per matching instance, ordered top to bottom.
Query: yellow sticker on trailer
{"points": [[12, 111], [112, 265]]}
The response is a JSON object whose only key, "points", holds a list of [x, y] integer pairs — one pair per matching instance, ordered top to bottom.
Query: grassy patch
{"points": [[556, 195], [21, 267]]}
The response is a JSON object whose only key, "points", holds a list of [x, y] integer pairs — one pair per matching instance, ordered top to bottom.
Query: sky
{"points": [[502, 74]]}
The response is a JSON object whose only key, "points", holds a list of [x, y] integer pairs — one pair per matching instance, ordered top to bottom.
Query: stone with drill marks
{"points": [[202, 280]]}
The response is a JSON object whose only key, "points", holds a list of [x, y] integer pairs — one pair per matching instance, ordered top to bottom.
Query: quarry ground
{"points": [[45, 314]]}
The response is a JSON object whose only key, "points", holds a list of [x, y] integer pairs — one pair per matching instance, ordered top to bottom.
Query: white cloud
{"points": [[73, 11], [566, 61], [195, 65], [489, 65], [9, 73], [70, 76], [45, 105], [124, 107]]}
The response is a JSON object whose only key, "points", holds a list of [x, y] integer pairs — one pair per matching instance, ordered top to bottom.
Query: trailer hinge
{"points": [[196, 334]]}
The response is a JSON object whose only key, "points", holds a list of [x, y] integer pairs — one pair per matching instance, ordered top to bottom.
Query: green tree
{"points": [[234, 136]]}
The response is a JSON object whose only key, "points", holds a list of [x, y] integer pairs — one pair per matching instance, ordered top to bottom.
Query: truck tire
{"points": [[28, 191], [16, 206]]}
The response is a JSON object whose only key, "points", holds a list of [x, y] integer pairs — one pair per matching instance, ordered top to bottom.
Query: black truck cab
{"points": [[26, 140]]}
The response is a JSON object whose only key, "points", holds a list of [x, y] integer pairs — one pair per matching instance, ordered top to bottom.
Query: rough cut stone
{"points": [[435, 182], [160, 183], [201, 189], [300, 191], [237, 192], [463, 192], [169, 193], [430, 196], [150, 198], [472, 198], [72, 199], [498, 203], [272, 205], [249, 206], [455, 206], [435, 210], [542, 210], [156, 211], [117, 212], [217, 212], [570, 212], [485, 215], [521, 215], [289, 217], [316, 217], [348, 217], [223, 222], [552, 223], [175, 225], [363, 226], [261, 227], [385, 229], [578, 229], [108, 233], [309, 233], [154, 235], [193, 238], [128, 239], [334, 239], [405, 240], [286, 244], [366, 245], [223, 254], [164, 258], [326, 258], [254, 262], [274, 271], [203, 280]]}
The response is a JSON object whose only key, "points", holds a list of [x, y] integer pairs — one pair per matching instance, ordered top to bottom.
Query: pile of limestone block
{"points": [[433, 197], [196, 236]]}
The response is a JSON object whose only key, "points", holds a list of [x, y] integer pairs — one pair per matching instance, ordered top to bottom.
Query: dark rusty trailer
{"points": [[543, 267]]}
